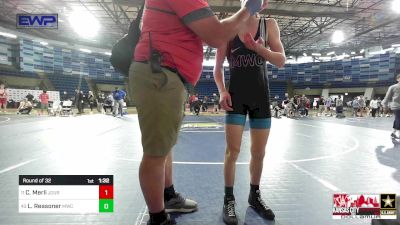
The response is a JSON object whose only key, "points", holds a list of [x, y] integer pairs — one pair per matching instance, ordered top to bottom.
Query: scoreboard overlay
{"points": [[89, 194]]}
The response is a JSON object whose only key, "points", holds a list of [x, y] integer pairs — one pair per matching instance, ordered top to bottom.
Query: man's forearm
{"points": [[230, 27]]}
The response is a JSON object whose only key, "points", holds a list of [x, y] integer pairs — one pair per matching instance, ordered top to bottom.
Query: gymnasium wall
{"points": [[31, 56], [378, 70]]}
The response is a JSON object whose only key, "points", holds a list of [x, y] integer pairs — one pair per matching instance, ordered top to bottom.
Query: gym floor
{"points": [[307, 161]]}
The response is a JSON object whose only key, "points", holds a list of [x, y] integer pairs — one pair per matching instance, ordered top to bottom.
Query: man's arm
{"points": [[214, 32], [388, 97]]}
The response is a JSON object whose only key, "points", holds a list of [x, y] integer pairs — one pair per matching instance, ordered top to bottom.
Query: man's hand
{"points": [[264, 5], [254, 6], [226, 101], [385, 109]]}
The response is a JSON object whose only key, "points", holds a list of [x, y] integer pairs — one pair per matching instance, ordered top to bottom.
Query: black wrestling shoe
{"points": [[259, 205], [228, 211], [168, 221]]}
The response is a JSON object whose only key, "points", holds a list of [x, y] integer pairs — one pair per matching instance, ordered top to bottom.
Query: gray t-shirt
{"points": [[392, 97], [339, 102]]}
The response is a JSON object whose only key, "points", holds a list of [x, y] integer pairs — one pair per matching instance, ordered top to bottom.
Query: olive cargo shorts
{"points": [[159, 99]]}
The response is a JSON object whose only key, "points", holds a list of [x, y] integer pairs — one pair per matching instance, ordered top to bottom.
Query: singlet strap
{"points": [[264, 30]]}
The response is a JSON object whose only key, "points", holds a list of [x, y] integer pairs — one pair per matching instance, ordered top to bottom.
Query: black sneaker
{"points": [[259, 205], [229, 214], [168, 221]]}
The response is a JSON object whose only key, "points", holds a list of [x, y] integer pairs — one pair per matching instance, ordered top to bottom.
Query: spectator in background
{"points": [[64, 96], [119, 96], [3, 97], [30, 97], [393, 98], [90, 99], [192, 99], [76, 100], [79, 101], [44, 102], [100, 102], [361, 102], [109, 103], [216, 103], [285, 104], [301, 104], [315, 104], [204, 105], [328, 105], [197, 106], [308, 106], [321, 106], [356, 106], [374, 106], [25, 107], [339, 107], [380, 107]]}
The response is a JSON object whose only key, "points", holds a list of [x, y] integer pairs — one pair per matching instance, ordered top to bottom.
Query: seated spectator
{"points": [[65, 96], [100, 102], [109, 103], [196, 106], [25, 107]]}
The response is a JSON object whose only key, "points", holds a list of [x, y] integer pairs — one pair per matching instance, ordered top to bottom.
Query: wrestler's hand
{"points": [[251, 44], [226, 101]]}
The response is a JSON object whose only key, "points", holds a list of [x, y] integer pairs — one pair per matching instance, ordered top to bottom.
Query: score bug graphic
{"points": [[66, 194], [364, 206]]}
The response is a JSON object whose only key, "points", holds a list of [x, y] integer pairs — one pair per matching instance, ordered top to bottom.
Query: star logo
{"points": [[388, 202]]}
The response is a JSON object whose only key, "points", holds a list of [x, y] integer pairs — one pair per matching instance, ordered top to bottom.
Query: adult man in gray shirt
{"points": [[393, 98]]}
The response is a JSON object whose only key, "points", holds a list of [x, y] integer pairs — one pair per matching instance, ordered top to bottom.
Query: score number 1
{"points": [[106, 198]]}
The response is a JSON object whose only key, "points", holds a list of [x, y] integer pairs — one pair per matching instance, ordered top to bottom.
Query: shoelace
{"points": [[179, 197], [259, 199], [231, 208]]}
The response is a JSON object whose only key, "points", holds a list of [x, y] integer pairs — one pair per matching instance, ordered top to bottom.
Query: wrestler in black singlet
{"points": [[248, 86]]}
